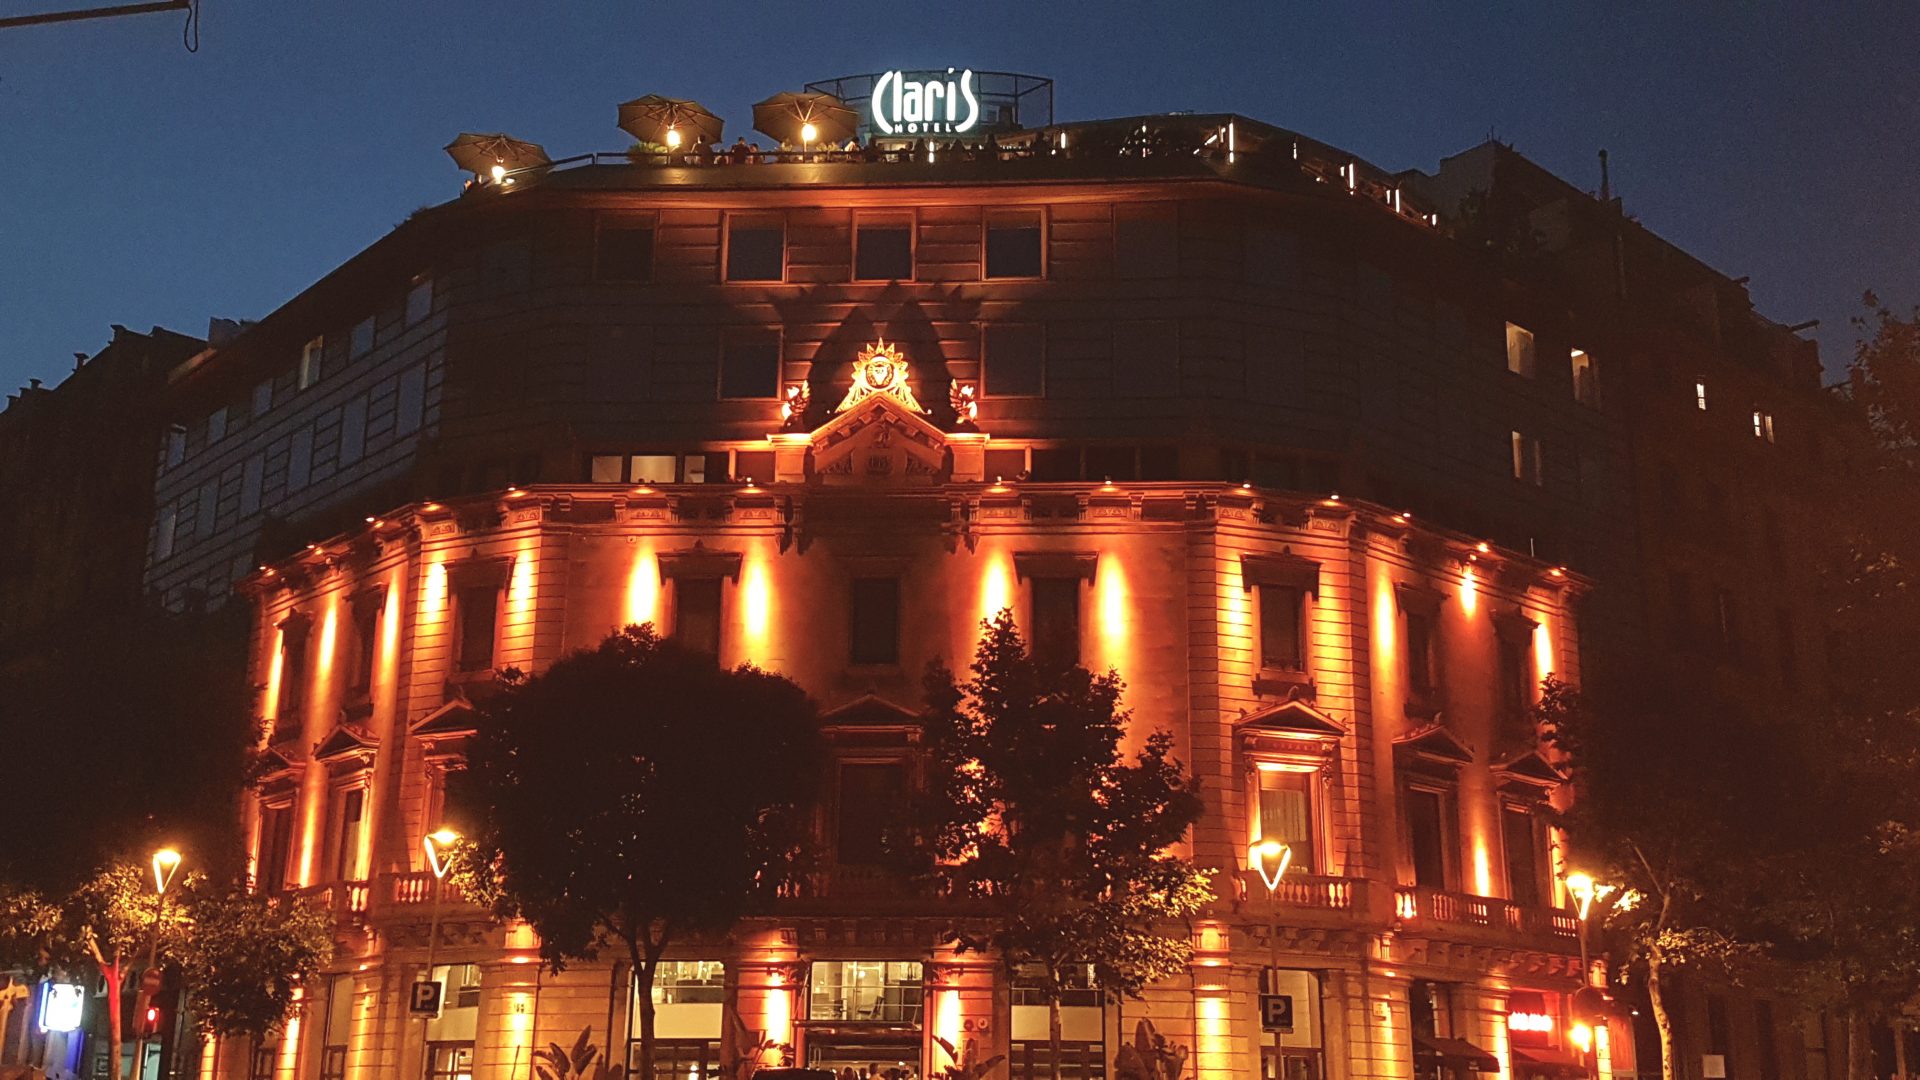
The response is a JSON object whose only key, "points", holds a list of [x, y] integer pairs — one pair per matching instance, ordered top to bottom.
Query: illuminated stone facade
{"points": [[1273, 634]]}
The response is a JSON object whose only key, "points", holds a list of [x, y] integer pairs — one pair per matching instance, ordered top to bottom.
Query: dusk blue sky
{"points": [[145, 185]]}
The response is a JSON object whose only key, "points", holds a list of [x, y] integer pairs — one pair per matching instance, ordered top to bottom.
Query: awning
{"points": [[1457, 1053], [1539, 1061]]}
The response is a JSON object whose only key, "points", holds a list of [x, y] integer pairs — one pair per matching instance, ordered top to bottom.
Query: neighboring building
{"points": [[76, 489], [1336, 676]]}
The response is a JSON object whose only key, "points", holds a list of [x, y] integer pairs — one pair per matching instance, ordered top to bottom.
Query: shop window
{"points": [[1014, 244], [883, 248], [756, 250], [624, 254], [1520, 351], [1013, 361], [750, 364], [1586, 379], [696, 613], [476, 620], [875, 621], [1282, 628], [1055, 633], [870, 797], [1287, 813], [1429, 813], [349, 819], [1521, 836], [276, 847], [688, 982], [880, 991], [687, 999], [333, 1041], [1290, 1043], [677, 1059], [1080, 1059], [450, 1061]]}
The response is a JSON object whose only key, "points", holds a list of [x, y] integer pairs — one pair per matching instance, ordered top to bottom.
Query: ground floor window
{"points": [[880, 991], [1290, 1046], [854, 1055], [678, 1059], [1080, 1059], [449, 1061], [333, 1063], [262, 1064]]}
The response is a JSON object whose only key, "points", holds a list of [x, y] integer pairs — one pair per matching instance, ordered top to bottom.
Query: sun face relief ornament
{"points": [[880, 369]]}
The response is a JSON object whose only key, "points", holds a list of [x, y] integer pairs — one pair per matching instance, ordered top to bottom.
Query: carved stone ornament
{"points": [[880, 368]]}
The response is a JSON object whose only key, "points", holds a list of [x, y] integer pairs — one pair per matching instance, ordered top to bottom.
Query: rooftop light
{"points": [[499, 173]]}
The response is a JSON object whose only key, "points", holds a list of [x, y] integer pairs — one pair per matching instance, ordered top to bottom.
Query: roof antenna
{"points": [[1606, 186]]}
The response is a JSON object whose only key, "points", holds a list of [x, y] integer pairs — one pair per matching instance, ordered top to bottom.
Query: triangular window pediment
{"points": [[879, 441], [1294, 717], [1435, 745]]}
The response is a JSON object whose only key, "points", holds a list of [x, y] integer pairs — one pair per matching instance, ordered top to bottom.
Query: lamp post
{"points": [[439, 848], [1270, 859], [166, 862], [1586, 1009]]}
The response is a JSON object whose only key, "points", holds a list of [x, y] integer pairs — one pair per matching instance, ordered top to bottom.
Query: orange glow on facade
{"points": [[996, 586], [643, 588], [1469, 591], [1111, 602], [756, 609], [1386, 622], [329, 637], [1542, 649], [274, 664], [1482, 868], [776, 1017], [946, 1017], [286, 1068]]}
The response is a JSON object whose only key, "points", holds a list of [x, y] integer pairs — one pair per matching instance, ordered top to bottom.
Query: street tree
{"points": [[635, 794], [1684, 802], [1034, 811], [242, 955]]}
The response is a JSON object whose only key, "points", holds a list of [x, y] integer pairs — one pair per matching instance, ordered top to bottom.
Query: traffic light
{"points": [[150, 1021]]}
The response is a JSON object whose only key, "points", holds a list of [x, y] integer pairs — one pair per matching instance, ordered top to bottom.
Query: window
{"points": [[1146, 240], [1014, 244], [883, 249], [756, 250], [624, 253], [419, 301], [360, 342], [1520, 354], [1013, 363], [750, 364], [309, 372], [1586, 379], [1700, 395], [262, 398], [410, 400], [217, 425], [1763, 425], [353, 430], [176, 445], [300, 459], [1526, 460], [755, 465], [652, 468], [605, 469], [252, 477], [206, 509], [163, 530], [477, 612], [696, 613], [876, 621], [366, 625], [1055, 636], [1281, 638], [1421, 650], [1513, 660], [293, 670], [871, 795], [1287, 813], [348, 819], [1520, 835], [1429, 836], [276, 847], [689, 982], [881, 991], [1720, 1033], [1768, 1039], [333, 1041], [676, 1059], [449, 1061], [260, 1067]]}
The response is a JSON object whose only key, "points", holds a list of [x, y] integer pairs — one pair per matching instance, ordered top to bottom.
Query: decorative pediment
{"points": [[879, 440], [699, 561], [871, 714], [454, 720], [1293, 729], [349, 744], [1433, 746], [278, 764], [1529, 770]]}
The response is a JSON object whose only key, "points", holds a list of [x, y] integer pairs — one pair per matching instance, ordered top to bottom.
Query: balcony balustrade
{"points": [[1322, 892], [345, 900], [1414, 904]]}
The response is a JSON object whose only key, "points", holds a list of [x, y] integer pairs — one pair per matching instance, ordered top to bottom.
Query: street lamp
{"points": [[439, 847], [1270, 859], [166, 862], [1587, 1010]]}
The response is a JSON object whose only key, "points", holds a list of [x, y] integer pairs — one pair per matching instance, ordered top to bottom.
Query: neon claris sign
{"points": [[932, 106]]}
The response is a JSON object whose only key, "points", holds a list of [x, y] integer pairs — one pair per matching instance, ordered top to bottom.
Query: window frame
{"points": [[907, 218], [1041, 220], [623, 222], [732, 222], [755, 335], [1527, 363], [1039, 390], [1070, 585], [463, 594], [677, 602], [890, 656], [1313, 772], [1447, 791], [1540, 843]]}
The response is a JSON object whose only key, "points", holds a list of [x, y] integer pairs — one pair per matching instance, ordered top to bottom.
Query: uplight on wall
{"points": [[61, 1006]]}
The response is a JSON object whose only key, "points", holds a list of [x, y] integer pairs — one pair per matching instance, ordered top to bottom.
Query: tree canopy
{"points": [[636, 794], [1034, 809]]}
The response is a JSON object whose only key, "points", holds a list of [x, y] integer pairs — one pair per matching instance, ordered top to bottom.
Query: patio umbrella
{"points": [[785, 116], [650, 118], [478, 153]]}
